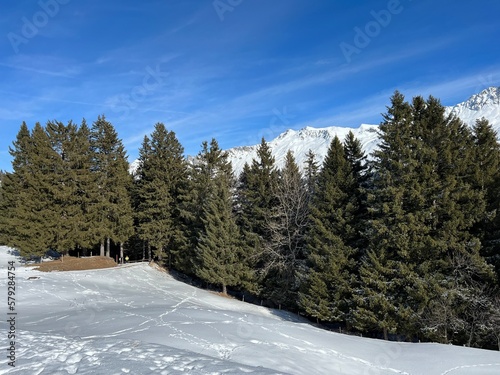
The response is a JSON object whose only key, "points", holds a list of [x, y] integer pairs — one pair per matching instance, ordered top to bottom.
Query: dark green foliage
{"points": [[210, 162], [487, 179], [159, 180], [258, 181], [12, 185], [74, 189], [55, 195], [26, 197], [255, 203], [423, 206], [113, 210], [219, 251], [219, 256], [330, 259]]}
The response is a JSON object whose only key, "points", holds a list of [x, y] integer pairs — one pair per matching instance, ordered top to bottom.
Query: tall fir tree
{"points": [[487, 179], [159, 181], [13, 183], [73, 187], [85, 188], [194, 197], [256, 202], [423, 207], [113, 209], [207, 209], [33, 216], [391, 232], [220, 257], [330, 260]]}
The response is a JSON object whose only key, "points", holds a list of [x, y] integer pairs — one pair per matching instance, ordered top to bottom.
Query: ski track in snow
{"points": [[138, 320]]}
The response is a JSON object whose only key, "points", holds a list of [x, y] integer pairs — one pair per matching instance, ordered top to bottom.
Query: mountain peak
{"points": [[487, 97], [484, 104], [299, 142]]}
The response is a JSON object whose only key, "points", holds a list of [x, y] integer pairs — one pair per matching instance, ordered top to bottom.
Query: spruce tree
{"points": [[486, 178], [261, 179], [71, 181], [159, 181], [13, 183], [85, 188], [194, 197], [256, 202], [423, 208], [113, 210], [33, 216], [219, 251], [218, 256], [330, 259], [380, 302]]}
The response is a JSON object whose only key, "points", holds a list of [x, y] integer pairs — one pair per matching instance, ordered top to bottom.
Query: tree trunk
{"points": [[108, 245], [102, 248], [143, 250], [121, 252], [149, 252], [224, 289], [386, 336]]}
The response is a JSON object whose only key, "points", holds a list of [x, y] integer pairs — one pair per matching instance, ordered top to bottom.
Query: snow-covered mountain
{"points": [[485, 104], [301, 141]]}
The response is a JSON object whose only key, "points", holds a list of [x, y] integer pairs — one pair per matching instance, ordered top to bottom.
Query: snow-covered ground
{"points": [[135, 319]]}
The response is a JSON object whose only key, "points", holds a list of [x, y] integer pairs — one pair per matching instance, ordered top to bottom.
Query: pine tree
{"points": [[486, 178], [261, 179], [159, 182], [12, 184], [72, 185], [85, 188], [194, 197], [256, 202], [357, 207], [423, 208], [113, 209], [32, 216], [219, 251], [218, 257], [330, 259], [379, 301]]}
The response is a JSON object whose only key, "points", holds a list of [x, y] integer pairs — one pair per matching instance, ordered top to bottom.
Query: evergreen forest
{"points": [[402, 245]]}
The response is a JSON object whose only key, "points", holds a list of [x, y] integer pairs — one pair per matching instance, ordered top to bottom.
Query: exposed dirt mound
{"points": [[73, 264]]}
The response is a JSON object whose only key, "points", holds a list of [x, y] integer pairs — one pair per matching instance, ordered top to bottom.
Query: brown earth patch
{"points": [[74, 264]]}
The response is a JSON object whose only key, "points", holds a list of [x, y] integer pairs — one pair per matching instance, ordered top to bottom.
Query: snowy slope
{"points": [[135, 319]]}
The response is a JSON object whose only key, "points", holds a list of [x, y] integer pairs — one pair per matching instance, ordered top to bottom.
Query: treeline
{"points": [[405, 246]]}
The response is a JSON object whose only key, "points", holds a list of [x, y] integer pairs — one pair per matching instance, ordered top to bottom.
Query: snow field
{"points": [[135, 319]]}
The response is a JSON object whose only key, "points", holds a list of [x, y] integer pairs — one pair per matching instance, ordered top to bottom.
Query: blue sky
{"points": [[235, 70]]}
